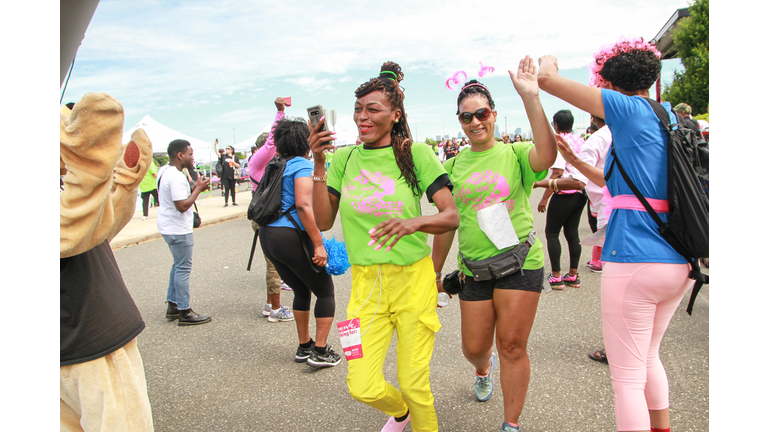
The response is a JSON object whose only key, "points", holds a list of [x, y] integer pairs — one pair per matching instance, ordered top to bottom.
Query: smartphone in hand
{"points": [[315, 113]]}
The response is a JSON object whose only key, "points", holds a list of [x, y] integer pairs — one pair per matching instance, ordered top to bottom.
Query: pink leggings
{"points": [[638, 301]]}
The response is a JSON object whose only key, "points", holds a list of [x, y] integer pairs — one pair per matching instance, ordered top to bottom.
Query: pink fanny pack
{"points": [[630, 202]]}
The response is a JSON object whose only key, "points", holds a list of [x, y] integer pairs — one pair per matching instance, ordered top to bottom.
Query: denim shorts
{"points": [[525, 280]]}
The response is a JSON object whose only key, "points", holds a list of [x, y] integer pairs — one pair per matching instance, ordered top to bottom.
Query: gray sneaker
{"points": [[283, 314], [328, 359], [484, 385], [506, 427]]}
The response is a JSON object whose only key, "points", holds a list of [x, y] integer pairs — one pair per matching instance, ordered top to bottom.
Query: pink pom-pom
{"points": [[610, 51]]}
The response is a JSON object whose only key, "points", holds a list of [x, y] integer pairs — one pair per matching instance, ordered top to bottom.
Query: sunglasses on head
{"points": [[482, 114]]}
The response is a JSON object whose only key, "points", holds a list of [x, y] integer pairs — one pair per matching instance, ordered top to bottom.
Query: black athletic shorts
{"points": [[525, 280]]}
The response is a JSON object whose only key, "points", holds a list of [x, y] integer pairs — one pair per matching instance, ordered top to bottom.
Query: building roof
{"points": [[663, 39]]}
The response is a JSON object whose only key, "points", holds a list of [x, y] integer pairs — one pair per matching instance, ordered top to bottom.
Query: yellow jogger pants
{"points": [[389, 298]]}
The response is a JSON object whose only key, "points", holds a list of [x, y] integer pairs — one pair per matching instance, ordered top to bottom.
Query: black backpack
{"points": [[219, 169], [265, 201], [687, 229]]}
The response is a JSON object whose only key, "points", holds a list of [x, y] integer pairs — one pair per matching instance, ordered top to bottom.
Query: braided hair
{"points": [[388, 82], [474, 87]]}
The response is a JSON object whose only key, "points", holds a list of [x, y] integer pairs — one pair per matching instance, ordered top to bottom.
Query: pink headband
{"points": [[610, 51], [476, 84]]}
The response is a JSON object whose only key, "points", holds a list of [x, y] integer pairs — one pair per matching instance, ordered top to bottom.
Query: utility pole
{"points": [[505, 125], [233, 137]]}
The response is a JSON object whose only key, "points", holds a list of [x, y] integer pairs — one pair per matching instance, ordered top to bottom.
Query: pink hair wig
{"points": [[610, 51]]}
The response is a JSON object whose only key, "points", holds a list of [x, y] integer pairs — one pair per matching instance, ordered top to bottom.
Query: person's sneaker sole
{"points": [[170, 318], [274, 320], [322, 364]]}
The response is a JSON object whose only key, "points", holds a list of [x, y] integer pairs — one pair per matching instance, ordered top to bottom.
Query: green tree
{"points": [[691, 38], [161, 160]]}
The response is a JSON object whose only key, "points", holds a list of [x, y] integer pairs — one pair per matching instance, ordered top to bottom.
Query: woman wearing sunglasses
{"points": [[484, 176], [376, 188]]}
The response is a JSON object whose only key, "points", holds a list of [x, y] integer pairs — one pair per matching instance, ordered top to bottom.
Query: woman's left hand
{"points": [[525, 81], [391, 228], [321, 256]]}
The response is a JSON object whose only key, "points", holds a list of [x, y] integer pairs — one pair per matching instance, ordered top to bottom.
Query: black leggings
{"points": [[229, 185], [145, 200], [564, 213], [592, 219], [282, 246]]}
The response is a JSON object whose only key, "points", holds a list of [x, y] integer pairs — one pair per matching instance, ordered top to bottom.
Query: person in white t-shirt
{"points": [[174, 221]]}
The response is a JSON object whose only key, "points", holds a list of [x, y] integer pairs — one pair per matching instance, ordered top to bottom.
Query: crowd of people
{"points": [[376, 187]]}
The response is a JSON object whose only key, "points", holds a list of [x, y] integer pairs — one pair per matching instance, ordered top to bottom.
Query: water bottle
{"points": [[443, 299]]}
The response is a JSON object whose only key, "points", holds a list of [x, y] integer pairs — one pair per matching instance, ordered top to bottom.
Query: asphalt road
{"points": [[237, 373]]}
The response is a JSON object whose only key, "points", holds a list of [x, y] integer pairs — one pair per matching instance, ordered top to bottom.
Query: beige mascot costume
{"points": [[103, 387]]}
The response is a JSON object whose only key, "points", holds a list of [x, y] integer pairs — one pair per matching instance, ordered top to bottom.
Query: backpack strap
{"points": [[287, 214], [662, 225], [253, 248]]}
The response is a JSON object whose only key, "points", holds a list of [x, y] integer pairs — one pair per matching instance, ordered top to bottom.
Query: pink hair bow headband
{"points": [[484, 70]]}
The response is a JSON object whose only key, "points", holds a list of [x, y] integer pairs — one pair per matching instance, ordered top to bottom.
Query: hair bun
{"points": [[391, 70]]}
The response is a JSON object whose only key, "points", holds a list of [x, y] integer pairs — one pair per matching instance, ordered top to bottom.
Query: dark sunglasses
{"points": [[482, 114]]}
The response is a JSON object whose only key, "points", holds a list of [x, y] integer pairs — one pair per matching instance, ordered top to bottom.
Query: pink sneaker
{"points": [[572, 281], [556, 282], [396, 426]]}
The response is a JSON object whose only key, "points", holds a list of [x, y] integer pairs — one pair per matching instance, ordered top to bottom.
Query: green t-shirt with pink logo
{"points": [[502, 174], [371, 189]]}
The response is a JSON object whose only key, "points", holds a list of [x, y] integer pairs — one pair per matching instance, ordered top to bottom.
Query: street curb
{"points": [[134, 240]]}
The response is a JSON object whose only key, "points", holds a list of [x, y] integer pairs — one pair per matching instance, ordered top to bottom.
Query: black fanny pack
{"points": [[501, 265]]}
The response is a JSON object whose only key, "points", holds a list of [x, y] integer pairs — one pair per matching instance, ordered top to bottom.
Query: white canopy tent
{"points": [[346, 134], [161, 135], [245, 146]]}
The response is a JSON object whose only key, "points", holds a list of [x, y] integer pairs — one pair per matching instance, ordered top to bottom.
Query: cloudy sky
{"points": [[212, 69]]}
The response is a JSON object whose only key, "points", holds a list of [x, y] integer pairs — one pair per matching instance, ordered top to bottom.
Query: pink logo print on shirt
{"points": [[373, 188], [474, 190]]}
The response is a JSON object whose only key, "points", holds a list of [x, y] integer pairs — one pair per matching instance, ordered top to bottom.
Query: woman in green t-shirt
{"points": [[498, 178], [377, 188]]}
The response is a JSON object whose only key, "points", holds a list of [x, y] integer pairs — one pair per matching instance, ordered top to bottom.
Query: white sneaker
{"points": [[144, 218], [267, 309], [282, 314]]}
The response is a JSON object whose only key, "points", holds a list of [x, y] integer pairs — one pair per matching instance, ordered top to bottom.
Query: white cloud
{"points": [[207, 55]]}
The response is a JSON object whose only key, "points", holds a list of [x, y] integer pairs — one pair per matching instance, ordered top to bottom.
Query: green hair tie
{"points": [[393, 79]]}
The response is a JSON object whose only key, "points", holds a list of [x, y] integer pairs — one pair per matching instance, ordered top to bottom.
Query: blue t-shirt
{"points": [[641, 145], [295, 168]]}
